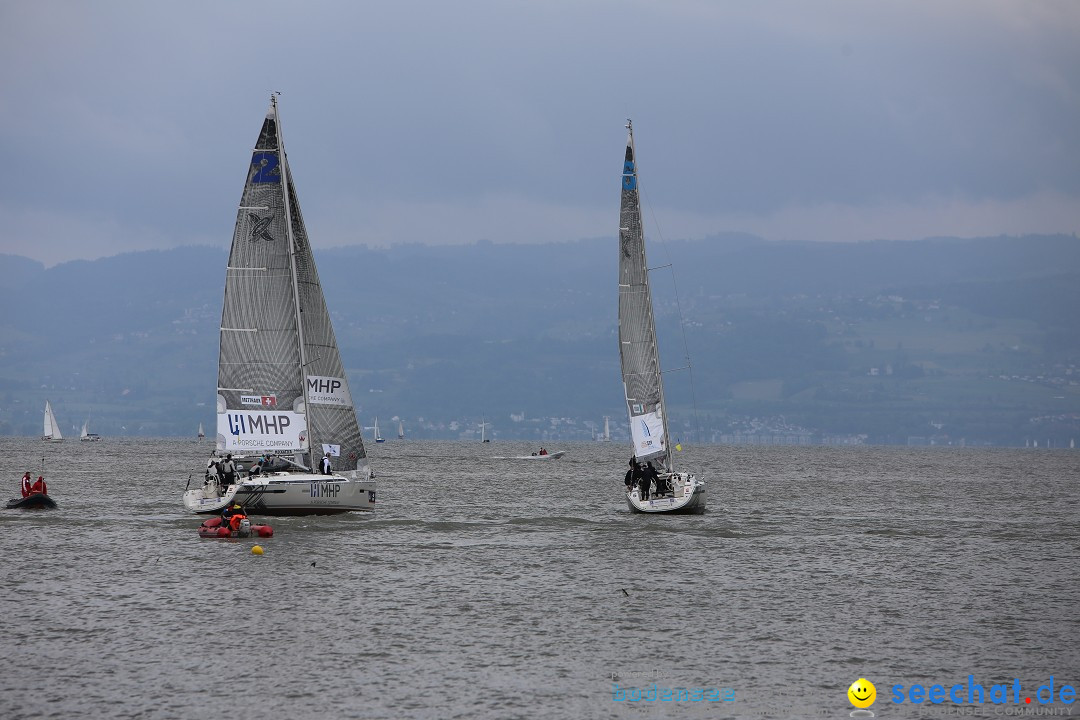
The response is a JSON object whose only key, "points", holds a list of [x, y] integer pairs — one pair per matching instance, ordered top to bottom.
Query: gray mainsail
{"points": [[638, 352], [281, 383]]}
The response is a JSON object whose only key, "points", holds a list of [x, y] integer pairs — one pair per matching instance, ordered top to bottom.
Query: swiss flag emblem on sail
{"points": [[269, 400]]}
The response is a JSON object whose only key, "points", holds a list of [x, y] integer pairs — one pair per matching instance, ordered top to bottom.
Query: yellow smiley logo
{"points": [[862, 693]]}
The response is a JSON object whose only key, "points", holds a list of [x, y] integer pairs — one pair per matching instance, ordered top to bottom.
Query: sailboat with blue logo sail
{"points": [[288, 442], [663, 490]]}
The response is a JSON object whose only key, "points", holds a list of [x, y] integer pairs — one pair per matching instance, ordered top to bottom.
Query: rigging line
{"points": [[678, 305], [678, 369]]}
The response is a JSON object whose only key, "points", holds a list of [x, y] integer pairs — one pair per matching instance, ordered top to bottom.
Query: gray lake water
{"points": [[485, 588]]}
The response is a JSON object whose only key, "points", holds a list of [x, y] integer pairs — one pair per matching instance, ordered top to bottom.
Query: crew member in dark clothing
{"points": [[324, 464], [648, 477], [631, 478], [644, 480], [660, 481]]}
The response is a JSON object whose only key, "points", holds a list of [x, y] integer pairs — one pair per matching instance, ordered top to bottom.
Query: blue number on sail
{"points": [[266, 168], [629, 180]]}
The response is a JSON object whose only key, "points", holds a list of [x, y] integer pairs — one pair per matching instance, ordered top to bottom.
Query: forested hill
{"points": [[455, 333]]}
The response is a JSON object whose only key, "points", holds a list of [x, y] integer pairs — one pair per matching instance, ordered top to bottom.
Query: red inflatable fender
{"points": [[212, 522], [264, 530], [223, 532]]}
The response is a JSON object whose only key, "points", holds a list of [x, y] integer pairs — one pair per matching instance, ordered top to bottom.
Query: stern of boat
{"points": [[688, 497], [206, 499]]}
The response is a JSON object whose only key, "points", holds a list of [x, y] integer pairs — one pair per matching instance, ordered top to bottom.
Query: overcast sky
{"points": [[128, 125]]}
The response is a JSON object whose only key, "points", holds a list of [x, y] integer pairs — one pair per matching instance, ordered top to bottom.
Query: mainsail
{"points": [[281, 383], [642, 383]]}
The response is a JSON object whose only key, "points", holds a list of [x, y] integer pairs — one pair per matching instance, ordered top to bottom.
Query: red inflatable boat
{"points": [[213, 528]]}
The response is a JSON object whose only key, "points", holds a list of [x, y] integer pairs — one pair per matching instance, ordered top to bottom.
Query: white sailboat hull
{"points": [[292, 494], [688, 497], [207, 499]]}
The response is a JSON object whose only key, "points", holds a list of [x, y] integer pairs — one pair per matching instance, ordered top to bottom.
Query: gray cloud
{"points": [[128, 124]]}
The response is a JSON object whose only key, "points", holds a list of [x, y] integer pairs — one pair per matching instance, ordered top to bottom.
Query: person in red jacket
{"points": [[26, 485], [39, 486]]}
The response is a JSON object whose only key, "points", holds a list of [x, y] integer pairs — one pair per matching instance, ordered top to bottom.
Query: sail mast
{"points": [[290, 235]]}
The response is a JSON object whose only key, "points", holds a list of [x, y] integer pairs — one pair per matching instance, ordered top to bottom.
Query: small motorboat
{"points": [[545, 455], [535, 456], [34, 501], [213, 528]]}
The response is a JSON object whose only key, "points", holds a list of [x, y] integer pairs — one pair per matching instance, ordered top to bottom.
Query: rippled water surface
{"points": [[487, 588]]}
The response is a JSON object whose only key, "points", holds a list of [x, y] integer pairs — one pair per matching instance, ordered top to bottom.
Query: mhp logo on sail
{"points": [[323, 385], [328, 391], [265, 424]]}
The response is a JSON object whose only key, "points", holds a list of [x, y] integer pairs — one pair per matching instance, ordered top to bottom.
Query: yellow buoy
{"points": [[257, 550]]}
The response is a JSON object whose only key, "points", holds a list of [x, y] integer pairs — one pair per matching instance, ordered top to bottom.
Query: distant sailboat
{"points": [[643, 384], [52, 429], [400, 431], [483, 431], [201, 433], [86, 435], [606, 437], [378, 438]]}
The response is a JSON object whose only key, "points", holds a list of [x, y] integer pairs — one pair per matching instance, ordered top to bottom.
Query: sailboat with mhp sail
{"points": [[283, 401]]}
